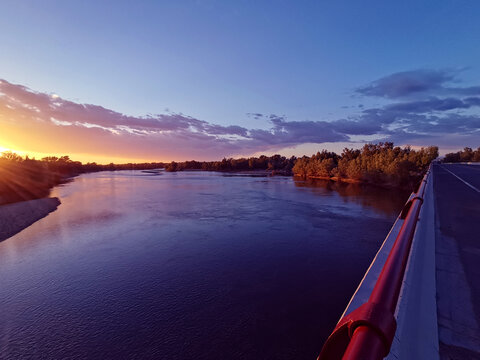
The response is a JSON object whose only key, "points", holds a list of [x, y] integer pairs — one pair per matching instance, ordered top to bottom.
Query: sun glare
{"points": [[3, 149], [84, 158]]}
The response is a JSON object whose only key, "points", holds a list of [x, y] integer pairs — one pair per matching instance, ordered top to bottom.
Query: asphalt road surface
{"points": [[457, 205]]}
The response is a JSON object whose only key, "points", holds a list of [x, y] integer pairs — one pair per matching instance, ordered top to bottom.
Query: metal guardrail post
{"points": [[368, 331]]}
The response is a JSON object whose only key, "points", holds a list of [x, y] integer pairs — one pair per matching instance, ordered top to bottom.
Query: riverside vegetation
{"points": [[276, 164], [381, 164], [26, 179]]}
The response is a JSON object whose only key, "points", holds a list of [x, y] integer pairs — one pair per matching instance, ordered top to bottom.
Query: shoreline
{"points": [[253, 173], [335, 178], [353, 181], [19, 215]]}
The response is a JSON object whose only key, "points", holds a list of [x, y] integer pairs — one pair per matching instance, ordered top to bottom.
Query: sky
{"points": [[177, 80]]}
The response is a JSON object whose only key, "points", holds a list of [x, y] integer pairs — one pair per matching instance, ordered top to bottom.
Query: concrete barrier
{"points": [[416, 314], [416, 336]]}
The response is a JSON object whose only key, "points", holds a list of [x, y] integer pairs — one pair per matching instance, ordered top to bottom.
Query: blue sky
{"points": [[218, 61]]}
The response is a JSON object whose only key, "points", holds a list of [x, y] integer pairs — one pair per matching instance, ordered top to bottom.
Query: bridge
{"points": [[420, 297]]}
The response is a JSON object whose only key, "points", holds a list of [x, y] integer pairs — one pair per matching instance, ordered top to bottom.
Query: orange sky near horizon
{"points": [[35, 142], [32, 146], [84, 158]]}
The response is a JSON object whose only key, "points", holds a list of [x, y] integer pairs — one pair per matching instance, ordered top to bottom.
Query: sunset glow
{"points": [[111, 104], [39, 124]]}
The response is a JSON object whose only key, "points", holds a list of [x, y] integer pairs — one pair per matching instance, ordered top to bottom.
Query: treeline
{"points": [[465, 155], [278, 164], [381, 164], [26, 178]]}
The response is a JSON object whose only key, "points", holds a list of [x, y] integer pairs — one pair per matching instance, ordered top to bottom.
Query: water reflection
{"points": [[382, 200]]}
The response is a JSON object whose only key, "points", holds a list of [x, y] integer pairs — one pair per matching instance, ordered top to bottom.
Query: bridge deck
{"points": [[457, 208]]}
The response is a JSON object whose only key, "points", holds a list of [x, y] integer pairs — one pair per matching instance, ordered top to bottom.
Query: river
{"points": [[188, 265]]}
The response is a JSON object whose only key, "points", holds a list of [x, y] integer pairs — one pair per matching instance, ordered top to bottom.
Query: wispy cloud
{"points": [[424, 107], [171, 135]]}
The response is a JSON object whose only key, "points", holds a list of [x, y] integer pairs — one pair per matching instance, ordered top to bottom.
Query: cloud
{"points": [[416, 82], [434, 104], [424, 108], [256, 116], [38, 121], [47, 123], [363, 126], [287, 133]]}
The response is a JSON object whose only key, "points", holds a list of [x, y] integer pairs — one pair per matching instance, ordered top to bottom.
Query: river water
{"points": [[189, 265]]}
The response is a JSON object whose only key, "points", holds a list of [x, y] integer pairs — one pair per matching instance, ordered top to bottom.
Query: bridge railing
{"points": [[367, 331]]}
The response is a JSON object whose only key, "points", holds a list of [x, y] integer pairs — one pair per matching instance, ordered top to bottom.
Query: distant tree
{"points": [[465, 155], [476, 155], [11, 156], [64, 159], [171, 167]]}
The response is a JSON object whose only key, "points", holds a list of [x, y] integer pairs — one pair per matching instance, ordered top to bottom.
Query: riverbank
{"points": [[256, 173], [334, 178], [25, 179], [389, 186], [18, 216]]}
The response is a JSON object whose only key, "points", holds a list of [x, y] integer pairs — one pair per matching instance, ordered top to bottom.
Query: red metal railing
{"points": [[368, 331]]}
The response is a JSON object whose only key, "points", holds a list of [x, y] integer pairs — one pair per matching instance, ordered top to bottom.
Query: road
{"points": [[457, 208]]}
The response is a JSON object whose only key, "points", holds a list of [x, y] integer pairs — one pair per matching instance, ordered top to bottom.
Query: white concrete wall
{"points": [[417, 328], [417, 333]]}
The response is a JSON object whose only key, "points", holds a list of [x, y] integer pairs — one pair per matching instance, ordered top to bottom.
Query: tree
{"points": [[465, 155], [11, 156], [172, 166]]}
